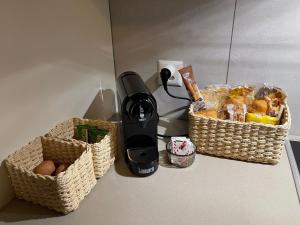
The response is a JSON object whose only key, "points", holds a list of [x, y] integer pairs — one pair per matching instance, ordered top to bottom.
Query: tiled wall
{"points": [[197, 32], [265, 43], [266, 48]]}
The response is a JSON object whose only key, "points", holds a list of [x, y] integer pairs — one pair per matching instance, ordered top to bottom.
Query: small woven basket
{"points": [[255, 142], [104, 152], [63, 192]]}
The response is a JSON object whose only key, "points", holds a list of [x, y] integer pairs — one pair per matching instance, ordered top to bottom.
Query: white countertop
{"points": [[213, 191]]}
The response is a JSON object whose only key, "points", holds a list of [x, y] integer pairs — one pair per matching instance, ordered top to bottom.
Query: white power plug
{"points": [[173, 66]]}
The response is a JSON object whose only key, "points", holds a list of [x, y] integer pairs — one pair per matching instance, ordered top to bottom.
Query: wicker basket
{"points": [[253, 142], [104, 152], [63, 192]]}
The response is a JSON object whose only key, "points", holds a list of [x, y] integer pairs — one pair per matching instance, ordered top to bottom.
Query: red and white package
{"points": [[181, 146]]}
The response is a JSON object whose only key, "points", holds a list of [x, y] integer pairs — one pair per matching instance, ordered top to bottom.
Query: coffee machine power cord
{"points": [[165, 74]]}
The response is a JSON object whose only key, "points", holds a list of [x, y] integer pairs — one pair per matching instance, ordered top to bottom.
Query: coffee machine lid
{"points": [[130, 84]]}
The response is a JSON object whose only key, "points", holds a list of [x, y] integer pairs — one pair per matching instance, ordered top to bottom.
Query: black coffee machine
{"points": [[139, 121]]}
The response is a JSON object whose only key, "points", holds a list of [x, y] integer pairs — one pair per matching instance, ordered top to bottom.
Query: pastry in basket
{"points": [[244, 91], [215, 95], [210, 98], [275, 98], [235, 100], [236, 103], [274, 105], [259, 106], [268, 106], [233, 108], [237, 112], [210, 113]]}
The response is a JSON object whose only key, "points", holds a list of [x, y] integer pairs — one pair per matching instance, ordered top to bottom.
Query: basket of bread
{"points": [[245, 122]]}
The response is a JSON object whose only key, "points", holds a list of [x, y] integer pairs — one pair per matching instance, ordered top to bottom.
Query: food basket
{"points": [[255, 142], [104, 152], [63, 192]]}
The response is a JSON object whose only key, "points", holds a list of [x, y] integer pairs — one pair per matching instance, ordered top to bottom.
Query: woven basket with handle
{"points": [[255, 142], [104, 152], [63, 192]]}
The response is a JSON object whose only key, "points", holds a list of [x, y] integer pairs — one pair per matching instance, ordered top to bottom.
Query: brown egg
{"points": [[46, 167], [61, 168]]}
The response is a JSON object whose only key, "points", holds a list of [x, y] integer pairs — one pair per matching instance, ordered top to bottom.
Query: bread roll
{"points": [[235, 100], [259, 106], [211, 113]]}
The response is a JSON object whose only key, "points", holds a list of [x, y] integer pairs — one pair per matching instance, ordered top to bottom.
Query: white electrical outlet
{"points": [[174, 66]]}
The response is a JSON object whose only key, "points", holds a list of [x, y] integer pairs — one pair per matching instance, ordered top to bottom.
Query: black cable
{"points": [[165, 74], [173, 96], [174, 110], [164, 136], [169, 136]]}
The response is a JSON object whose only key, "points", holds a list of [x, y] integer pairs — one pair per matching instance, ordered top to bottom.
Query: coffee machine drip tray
{"points": [[143, 161]]}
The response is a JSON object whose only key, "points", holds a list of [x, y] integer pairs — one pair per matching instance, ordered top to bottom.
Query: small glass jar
{"points": [[180, 160]]}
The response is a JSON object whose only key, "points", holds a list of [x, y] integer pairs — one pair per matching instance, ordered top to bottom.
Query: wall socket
{"points": [[174, 66]]}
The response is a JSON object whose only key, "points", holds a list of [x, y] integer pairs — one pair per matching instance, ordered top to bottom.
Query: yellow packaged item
{"points": [[258, 118]]}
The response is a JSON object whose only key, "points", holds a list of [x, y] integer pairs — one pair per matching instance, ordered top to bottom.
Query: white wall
{"points": [[197, 32], [265, 47], [53, 55]]}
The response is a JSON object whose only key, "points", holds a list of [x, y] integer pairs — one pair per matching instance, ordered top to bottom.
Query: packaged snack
{"points": [[190, 82], [192, 87], [219, 87], [242, 91], [247, 92], [273, 92], [214, 96], [210, 98], [275, 98], [235, 100], [236, 103], [198, 105], [259, 106], [237, 112], [211, 113], [258, 118], [89, 134], [181, 146], [181, 152]]}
